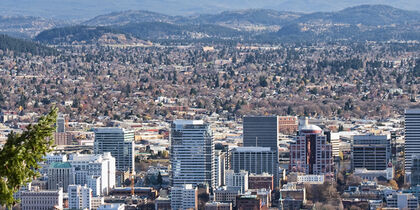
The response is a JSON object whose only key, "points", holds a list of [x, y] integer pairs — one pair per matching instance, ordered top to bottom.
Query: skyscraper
{"points": [[261, 131], [412, 136], [119, 142], [370, 152], [192, 153], [311, 153], [257, 160], [60, 175], [80, 197], [184, 197]]}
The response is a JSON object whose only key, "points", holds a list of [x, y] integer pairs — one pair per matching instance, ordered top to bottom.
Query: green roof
{"points": [[60, 165]]}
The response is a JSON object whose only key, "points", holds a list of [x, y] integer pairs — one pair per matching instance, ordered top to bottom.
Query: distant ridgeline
{"points": [[24, 46]]}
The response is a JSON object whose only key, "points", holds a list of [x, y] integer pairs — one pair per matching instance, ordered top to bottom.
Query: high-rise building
{"points": [[61, 124], [261, 131], [412, 136], [120, 143], [371, 152], [192, 153], [311, 153], [256, 160], [86, 166], [220, 167], [415, 170], [60, 175], [237, 180], [260, 181], [226, 195], [80, 197], [184, 197], [42, 200]]}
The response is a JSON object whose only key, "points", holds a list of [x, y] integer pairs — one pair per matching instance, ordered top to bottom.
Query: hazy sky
{"points": [[85, 9]]}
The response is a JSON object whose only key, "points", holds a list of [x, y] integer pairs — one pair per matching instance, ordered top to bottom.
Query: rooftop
{"points": [[188, 122], [252, 149], [60, 165]]}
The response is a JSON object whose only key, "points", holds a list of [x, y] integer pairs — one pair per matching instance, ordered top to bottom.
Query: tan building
{"points": [[287, 124]]}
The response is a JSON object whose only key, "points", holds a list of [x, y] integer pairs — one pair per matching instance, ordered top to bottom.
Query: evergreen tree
{"points": [[21, 154]]}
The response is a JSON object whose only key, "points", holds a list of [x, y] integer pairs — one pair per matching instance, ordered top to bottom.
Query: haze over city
{"points": [[214, 105]]}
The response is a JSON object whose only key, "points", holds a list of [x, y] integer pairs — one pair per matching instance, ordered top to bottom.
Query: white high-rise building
{"points": [[412, 136], [120, 143], [192, 153], [51, 158], [87, 166], [220, 167], [60, 175], [238, 181], [94, 183], [80, 197], [184, 197], [42, 200]]}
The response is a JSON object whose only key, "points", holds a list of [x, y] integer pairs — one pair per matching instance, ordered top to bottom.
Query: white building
{"points": [[120, 143], [192, 153], [51, 158], [87, 166], [220, 167], [60, 175], [310, 179], [237, 181], [94, 183], [80, 197], [184, 197], [42, 200], [97, 201], [402, 201], [114, 206]]}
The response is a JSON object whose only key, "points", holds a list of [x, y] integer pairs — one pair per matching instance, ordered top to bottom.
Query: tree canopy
{"points": [[21, 154]]}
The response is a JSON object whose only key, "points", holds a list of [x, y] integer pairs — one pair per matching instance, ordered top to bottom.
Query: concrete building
{"points": [[61, 124], [261, 131], [412, 136], [65, 138], [119, 142], [371, 152], [192, 153], [311, 153], [51, 158], [257, 160], [102, 165], [220, 167], [60, 175], [371, 175], [310, 179], [237, 180], [260, 181], [94, 183], [226, 195], [292, 196], [80, 197], [184, 197], [42, 200], [97, 201], [402, 201], [163, 202], [114, 206], [218, 206]]}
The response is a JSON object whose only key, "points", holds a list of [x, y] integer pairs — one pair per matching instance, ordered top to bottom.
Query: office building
{"points": [[61, 124], [261, 131], [412, 136], [65, 138], [119, 142], [371, 152], [192, 153], [311, 153], [51, 158], [257, 160], [99, 165], [220, 167], [415, 170], [60, 175], [237, 180], [260, 181], [94, 183], [226, 195], [292, 196], [80, 197], [184, 197], [42, 200], [97, 201], [402, 201], [249, 202], [218, 206]]}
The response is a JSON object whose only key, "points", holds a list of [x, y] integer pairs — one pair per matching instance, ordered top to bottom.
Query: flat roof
{"points": [[188, 122]]}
